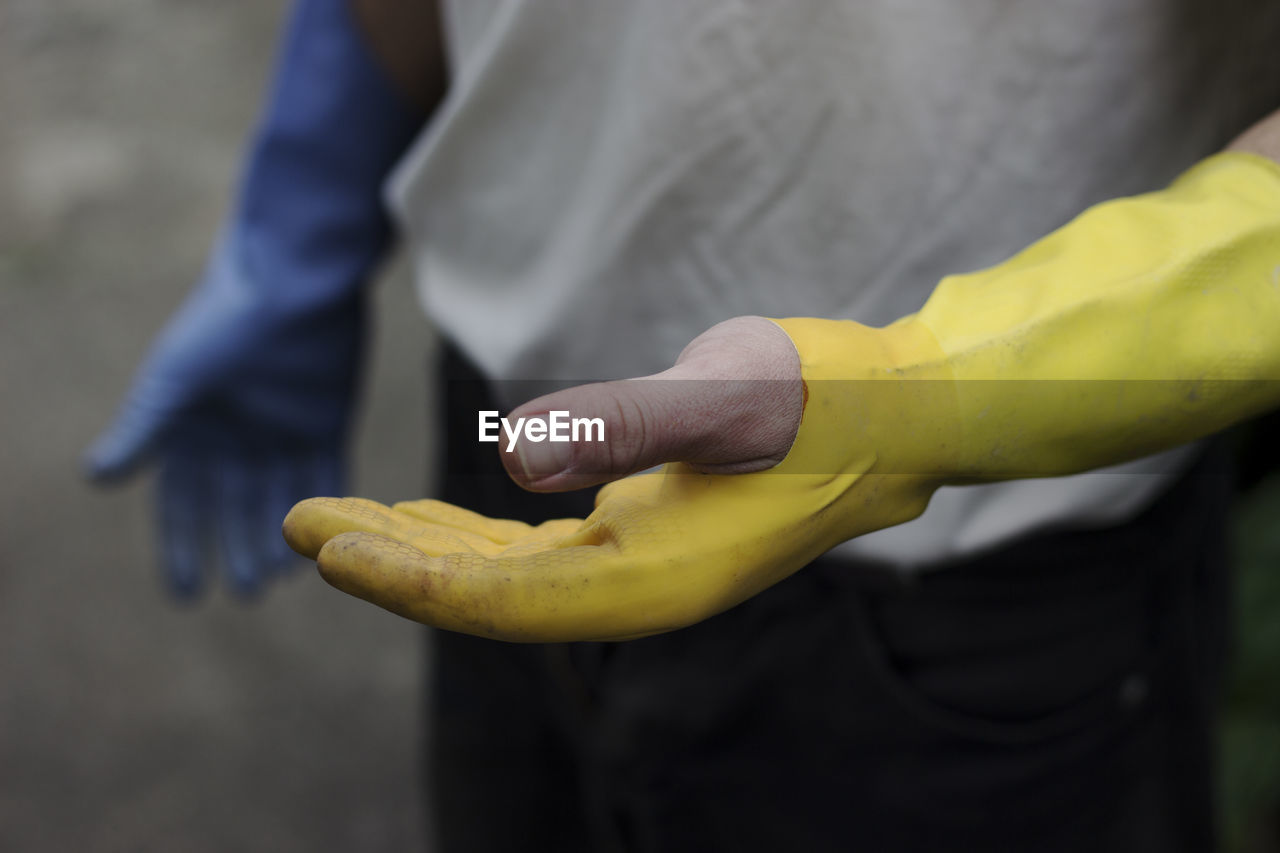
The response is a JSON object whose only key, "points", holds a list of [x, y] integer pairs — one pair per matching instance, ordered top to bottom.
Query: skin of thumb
{"points": [[731, 404], [621, 427]]}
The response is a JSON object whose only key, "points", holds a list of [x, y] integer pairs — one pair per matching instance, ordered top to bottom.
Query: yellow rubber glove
{"points": [[1160, 316]]}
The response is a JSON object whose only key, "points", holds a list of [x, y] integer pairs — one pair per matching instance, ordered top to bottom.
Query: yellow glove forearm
{"points": [[1145, 323]]}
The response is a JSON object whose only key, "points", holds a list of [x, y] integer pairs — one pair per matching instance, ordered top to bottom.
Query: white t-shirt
{"points": [[609, 178]]}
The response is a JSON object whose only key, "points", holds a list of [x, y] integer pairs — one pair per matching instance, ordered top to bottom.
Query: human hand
{"points": [[244, 400], [244, 411], [661, 550]]}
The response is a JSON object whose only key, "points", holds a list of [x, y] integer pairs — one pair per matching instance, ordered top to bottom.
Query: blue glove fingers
{"points": [[144, 417], [120, 449], [241, 505], [183, 512]]}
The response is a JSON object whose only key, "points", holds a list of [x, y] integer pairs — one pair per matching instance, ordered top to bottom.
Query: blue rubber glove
{"points": [[245, 399]]}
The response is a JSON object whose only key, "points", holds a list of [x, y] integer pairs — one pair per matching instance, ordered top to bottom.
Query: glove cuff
{"points": [[877, 401]]}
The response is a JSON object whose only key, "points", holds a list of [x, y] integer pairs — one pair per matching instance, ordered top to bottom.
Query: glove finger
{"points": [[124, 445], [319, 473], [240, 507], [182, 511], [315, 521], [500, 531], [548, 534], [565, 594], [517, 599]]}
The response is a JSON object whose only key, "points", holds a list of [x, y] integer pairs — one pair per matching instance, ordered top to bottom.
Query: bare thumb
{"points": [[731, 404]]}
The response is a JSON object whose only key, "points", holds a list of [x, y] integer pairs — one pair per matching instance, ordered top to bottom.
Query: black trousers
{"points": [[1057, 695]]}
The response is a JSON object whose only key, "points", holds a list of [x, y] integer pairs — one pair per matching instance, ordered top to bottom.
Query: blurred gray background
{"points": [[127, 722]]}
